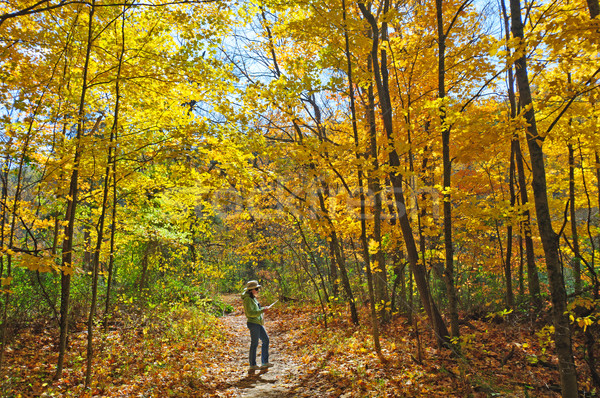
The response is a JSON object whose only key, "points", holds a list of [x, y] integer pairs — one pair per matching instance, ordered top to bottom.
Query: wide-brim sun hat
{"points": [[251, 285]]}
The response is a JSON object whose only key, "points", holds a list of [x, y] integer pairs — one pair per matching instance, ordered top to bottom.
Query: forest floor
{"points": [[182, 353], [279, 381]]}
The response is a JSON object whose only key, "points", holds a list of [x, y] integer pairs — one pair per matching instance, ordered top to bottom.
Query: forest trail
{"points": [[282, 380]]}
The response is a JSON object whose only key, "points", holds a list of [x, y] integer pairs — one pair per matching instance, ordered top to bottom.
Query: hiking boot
{"points": [[266, 365], [253, 367]]}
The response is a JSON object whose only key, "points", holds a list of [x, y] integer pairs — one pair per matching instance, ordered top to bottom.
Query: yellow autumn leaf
{"points": [[373, 247]]}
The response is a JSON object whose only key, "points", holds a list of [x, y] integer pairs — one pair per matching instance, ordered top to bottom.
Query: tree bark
{"points": [[594, 8], [562, 334]]}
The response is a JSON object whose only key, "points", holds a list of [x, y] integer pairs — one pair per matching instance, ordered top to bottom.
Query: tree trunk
{"points": [[594, 8], [514, 152], [110, 171], [447, 171], [360, 175], [598, 175], [3, 219], [113, 229], [11, 237], [374, 238], [67, 249], [88, 256], [96, 258], [337, 258], [376, 259], [576, 262], [590, 265], [398, 266], [521, 267], [417, 268], [333, 274], [533, 280], [346, 283], [510, 298], [322, 300], [562, 334]]}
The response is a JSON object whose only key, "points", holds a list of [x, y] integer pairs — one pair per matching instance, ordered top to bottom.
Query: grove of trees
{"points": [[436, 158]]}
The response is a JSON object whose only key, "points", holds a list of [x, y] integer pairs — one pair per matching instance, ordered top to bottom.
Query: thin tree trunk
{"points": [[514, 149], [110, 161], [447, 171], [598, 175], [427, 203], [14, 211], [3, 215], [363, 224], [113, 229], [11, 237], [67, 249], [88, 255], [337, 259], [377, 260], [314, 261], [576, 262], [521, 263], [591, 264], [95, 266], [398, 266], [379, 268], [417, 268], [333, 274], [533, 280], [346, 283], [510, 298], [562, 334]]}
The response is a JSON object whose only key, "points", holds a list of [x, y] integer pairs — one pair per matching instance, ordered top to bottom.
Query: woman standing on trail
{"points": [[254, 313]]}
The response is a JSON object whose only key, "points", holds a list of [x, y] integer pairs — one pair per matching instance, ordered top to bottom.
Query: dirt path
{"points": [[278, 381]]}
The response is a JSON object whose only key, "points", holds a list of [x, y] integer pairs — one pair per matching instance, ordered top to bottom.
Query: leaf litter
{"points": [[199, 356]]}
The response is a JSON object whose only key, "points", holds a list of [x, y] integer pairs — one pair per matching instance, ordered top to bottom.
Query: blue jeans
{"points": [[258, 332]]}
